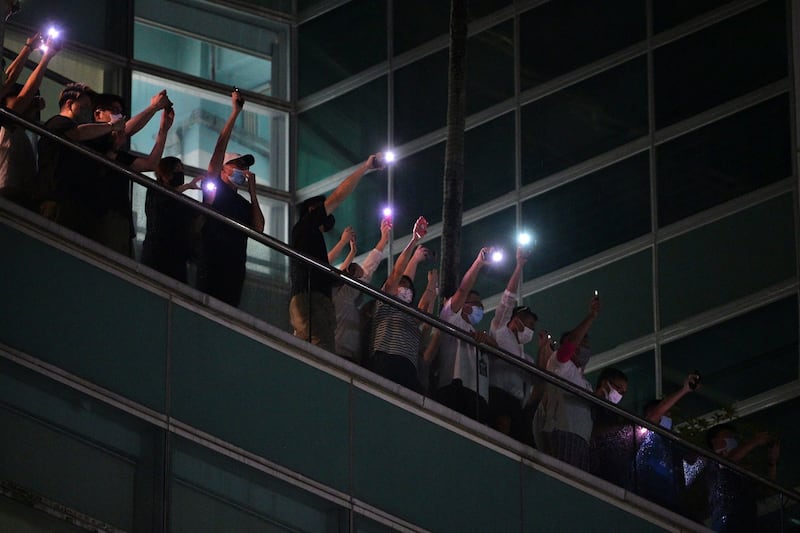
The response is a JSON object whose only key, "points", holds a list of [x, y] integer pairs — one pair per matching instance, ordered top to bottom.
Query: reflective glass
{"points": [[669, 13], [106, 28], [343, 42], [222, 45], [550, 47], [728, 59], [490, 67], [199, 116], [584, 120], [341, 133], [723, 160], [589, 215], [766, 231], [625, 290], [744, 356], [209, 491]]}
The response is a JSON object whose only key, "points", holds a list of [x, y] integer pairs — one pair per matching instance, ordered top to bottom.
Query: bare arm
{"points": [[18, 65], [25, 97], [139, 121], [93, 130], [216, 162], [144, 164], [346, 187], [255, 208], [420, 228], [339, 246], [420, 254], [350, 255], [468, 281], [429, 296], [503, 312], [574, 337], [670, 400]]}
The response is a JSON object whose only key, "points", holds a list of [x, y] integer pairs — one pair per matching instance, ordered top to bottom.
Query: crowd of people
{"points": [[82, 194]]}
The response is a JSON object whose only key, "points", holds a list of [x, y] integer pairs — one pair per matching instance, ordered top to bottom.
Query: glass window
{"points": [[669, 13], [106, 28], [211, 42], [341, 43], [550, 47], [729, 59], [490, 67], [420, 97], [199, 116], [584, 120], [341, 133], [723, 160], [603, 209], [687, 266], [625, 289], [737, 359]]}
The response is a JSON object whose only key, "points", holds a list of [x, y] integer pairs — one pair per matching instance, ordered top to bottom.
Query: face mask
{"points": [[116, 116], [238, 177], [177, 179], [328, 223], [404, 294], [476, 315], [525, 336], [582, 356], [613, 395], [665, 422], [730, 445]]}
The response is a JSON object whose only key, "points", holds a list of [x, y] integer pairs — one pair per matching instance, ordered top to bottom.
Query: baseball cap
{"points": [[247, 160]]}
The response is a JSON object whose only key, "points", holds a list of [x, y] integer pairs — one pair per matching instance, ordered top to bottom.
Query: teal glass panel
{"points": [[669, 13], [110, 35], [557, 37], [339, 44], [227, 46], [728, 59], [490, 67], [199, 117], [584, 120], [341, 133], [724, 160], [606, 208], [687, 268], [625, 289], [82, 319], [737, 359], [641, 372], [259, 399], [76, 451], [409, 453], [210, 492]]}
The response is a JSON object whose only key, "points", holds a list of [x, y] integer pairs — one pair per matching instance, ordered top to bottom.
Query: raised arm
{"points": [[16, 67], [34, 81], [139, 121], [93, 130], [217, 158], [144, 164], [350, 182], [255, 208], [419, 231], [334, 252], [351, 254], [420, 255], [375, 256], [469, 279], [429, 296], [503, 312], [574, 337], [669, 401]]}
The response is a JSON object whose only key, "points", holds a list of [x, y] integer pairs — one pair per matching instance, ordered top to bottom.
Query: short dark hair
{"points": [[73, 91], [106, 101], [167, 166], [306, 205], [524, 310], [609, 373], [712, 433]]}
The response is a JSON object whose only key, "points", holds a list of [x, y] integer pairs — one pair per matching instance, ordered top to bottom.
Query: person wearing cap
{"points": [[223, 253], [311, 311], [511, 329], [563, 422]]}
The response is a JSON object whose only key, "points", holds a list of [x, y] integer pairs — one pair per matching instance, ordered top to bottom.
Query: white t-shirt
{"points": [[457, 359], [504, 375]]}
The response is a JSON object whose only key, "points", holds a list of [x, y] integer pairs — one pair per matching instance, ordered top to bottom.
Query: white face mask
{"points": [[404, 294], [476, 315], [525, 336], [613, 395], [665, 422], [730, 445]]}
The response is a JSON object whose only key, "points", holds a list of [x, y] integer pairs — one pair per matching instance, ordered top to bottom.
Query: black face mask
{"points": [[177, 179], [328, 223]]}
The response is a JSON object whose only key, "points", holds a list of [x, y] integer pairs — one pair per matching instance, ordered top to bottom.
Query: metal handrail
{"points": [[431, 320]]}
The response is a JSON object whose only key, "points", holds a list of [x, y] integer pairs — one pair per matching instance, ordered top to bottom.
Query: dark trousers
{"points": [[463, 400]]}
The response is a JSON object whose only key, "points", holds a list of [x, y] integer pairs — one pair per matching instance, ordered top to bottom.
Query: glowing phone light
{"points": [[389, 156], [387, 212], [524, 239], [497, 256]]}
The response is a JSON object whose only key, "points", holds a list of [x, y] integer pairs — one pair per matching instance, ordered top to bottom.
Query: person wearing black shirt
{"points": [[223, 255], [311, 310]]}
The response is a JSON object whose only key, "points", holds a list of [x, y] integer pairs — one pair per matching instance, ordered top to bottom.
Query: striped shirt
{"points": [[395, 332]]}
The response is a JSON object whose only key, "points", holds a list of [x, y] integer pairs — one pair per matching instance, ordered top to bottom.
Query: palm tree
{"points": [[453, 187]]}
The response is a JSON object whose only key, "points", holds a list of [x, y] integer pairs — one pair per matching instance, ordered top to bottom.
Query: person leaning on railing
{"points": [[17, 156]]}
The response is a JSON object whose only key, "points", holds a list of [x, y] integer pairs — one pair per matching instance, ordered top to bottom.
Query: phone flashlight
{"points": [[52, 34], [388, 156], [210, 186], [387, 212], [524, 239], [497, 256], [596, 294]]}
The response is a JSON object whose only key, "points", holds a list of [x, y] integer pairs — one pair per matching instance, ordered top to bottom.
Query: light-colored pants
{"points": [[313, 319]]}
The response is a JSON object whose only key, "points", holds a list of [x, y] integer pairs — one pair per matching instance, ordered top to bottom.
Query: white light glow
{"points": [[389, 156], [387, 212], [524, 239], [497, 256]]}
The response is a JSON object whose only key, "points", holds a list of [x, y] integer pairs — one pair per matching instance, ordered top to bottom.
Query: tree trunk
{"points": [[453, 187]]}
